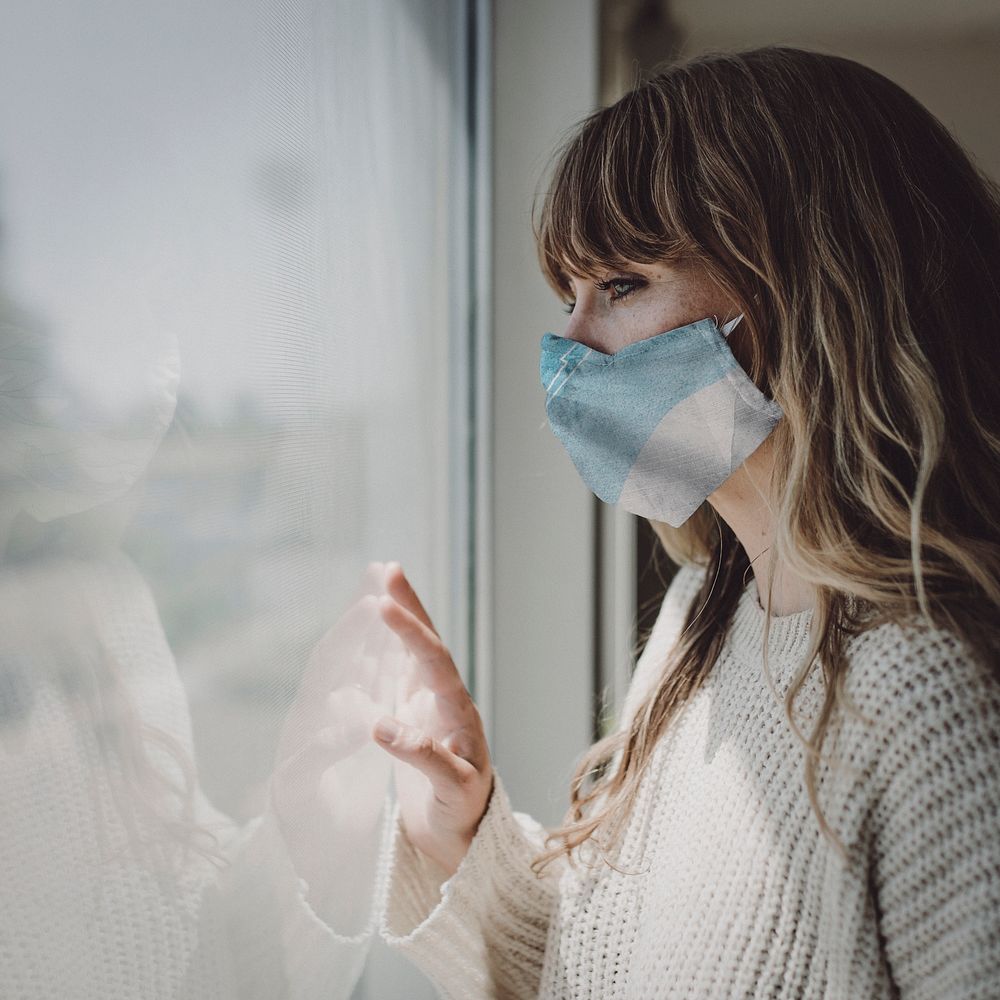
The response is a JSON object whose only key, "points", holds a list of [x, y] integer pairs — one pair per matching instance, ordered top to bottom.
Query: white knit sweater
{"points": [[741, 895]]}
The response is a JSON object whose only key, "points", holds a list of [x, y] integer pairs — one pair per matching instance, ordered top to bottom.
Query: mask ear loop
{"points": [[727, 328]]}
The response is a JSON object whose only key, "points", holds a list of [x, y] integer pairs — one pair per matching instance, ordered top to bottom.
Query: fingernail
{"points": [[386, 730]]}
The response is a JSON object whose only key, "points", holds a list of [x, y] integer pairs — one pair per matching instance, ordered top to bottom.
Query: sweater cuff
{"points": [[268, 907], [494, 908]]}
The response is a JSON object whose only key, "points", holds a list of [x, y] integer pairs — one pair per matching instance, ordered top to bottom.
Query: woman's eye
{"points": [[620, 287]]}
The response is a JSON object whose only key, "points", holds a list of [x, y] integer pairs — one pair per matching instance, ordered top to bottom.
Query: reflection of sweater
{"points": [[741, 895], [83, 915]]}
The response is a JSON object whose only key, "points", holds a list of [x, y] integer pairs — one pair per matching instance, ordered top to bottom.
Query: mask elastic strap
{"points": [[727, 328]]}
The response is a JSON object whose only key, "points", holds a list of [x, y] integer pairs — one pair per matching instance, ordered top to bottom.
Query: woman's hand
{"points": [[444, 776]]}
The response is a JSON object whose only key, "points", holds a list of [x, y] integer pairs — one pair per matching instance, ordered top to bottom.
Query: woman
{"points": [[803, 794]]}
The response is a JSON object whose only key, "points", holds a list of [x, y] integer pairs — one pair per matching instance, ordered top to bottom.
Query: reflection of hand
{"points": [[444, 776], [329, 783]]}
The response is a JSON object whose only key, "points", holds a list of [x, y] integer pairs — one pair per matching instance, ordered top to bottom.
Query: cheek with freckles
{"points": [[669, 305]]}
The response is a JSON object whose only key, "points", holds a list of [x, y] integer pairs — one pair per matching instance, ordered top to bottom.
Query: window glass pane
{"points": [[227, 297]]}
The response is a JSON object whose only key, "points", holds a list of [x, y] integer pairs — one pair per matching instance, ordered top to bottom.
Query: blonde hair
{"points": [[863, 247]]}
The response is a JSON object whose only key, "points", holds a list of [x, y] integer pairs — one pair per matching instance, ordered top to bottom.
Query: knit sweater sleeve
{"points": [[936, 866], [481, 933]]}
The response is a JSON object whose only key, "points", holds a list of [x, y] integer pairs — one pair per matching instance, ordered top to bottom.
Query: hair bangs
{"points": [[598, 211]]}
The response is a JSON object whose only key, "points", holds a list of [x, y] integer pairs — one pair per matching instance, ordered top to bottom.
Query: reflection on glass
{"points": [[223, 391]]}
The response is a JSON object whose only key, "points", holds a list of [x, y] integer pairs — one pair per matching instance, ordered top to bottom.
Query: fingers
{"points": [[399, 589], [438, 669], [446, 771]]}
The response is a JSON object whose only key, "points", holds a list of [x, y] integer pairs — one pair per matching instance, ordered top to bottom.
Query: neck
{"points": [[743, 504]]}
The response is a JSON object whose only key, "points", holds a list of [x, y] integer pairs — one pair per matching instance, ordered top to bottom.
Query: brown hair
{"points": [[863, 247]]}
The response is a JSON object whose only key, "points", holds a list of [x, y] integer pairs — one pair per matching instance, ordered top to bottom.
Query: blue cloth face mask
{"points": [[659, 425]]}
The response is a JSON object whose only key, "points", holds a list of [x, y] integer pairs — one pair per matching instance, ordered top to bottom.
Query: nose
{"points": [[584, 329]]}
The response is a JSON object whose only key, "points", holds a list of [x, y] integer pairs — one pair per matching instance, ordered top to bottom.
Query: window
{"points": [[239, 350]]}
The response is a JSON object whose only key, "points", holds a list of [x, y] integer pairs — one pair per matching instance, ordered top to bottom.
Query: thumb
{"points": [[446, 770]]}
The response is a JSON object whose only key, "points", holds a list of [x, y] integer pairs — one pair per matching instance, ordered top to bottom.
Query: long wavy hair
{"points": [[863, 246]]}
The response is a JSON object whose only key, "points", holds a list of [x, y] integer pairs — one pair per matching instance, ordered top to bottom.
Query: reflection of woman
{"points": [[782, 349], [119, 879]]}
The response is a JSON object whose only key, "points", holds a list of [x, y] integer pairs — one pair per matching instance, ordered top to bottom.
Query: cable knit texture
{"points": [[738, 894]]}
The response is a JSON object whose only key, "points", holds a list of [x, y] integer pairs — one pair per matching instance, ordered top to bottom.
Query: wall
{"points": [[545, 80]]}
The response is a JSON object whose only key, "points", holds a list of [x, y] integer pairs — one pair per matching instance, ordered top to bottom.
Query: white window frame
{"points": [[538, 682]]}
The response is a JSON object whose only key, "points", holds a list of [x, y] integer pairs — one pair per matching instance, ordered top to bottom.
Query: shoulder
{"points": [[686, 583], [683, 589], [911, 666], [932, 706]]}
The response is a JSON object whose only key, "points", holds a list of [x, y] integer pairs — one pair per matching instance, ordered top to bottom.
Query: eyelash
{"points": [[603, 286]]}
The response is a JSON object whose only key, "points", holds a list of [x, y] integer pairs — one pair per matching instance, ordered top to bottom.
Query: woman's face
{"points": [[638, 301]]}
